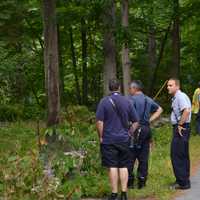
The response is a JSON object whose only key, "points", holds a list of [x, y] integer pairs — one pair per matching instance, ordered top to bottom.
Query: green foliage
{"points": [[21, 49], [23, 96], [10, 112], [18, 112], [77, 171]]}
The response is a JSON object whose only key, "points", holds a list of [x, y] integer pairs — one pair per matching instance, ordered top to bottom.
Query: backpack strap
{"points": [[116, 109]]}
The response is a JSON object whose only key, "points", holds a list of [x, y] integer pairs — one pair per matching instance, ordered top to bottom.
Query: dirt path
{"points": [[194, 192]]}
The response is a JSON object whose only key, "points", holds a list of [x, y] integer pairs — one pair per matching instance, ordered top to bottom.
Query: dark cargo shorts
{"points": [[115, 155]]}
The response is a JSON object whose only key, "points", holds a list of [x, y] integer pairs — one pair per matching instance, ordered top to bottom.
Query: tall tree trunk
{"points": [[109, 45], [125, 50], [91, 52], [73, 54], [151, 55], [160, 56], [51, 61], [84, 62], [61, 67], [175, 67], [18, 82], [99, 93]]}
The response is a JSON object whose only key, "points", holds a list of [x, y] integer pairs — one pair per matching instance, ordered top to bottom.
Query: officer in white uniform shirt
{"points": [[180, 119]]}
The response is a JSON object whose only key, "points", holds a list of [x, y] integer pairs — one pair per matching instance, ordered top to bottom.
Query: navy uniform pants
{"points": [[141, 155], [180, 155]]}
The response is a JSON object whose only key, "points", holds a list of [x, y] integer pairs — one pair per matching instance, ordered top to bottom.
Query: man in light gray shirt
{"points": [[180, 119]]}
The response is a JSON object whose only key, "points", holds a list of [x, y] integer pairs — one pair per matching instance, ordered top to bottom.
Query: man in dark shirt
{"points": [[145, 106], [113, 114]]}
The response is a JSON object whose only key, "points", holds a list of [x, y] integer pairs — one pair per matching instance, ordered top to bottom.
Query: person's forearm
{"points": [[155, 115], [184, 116], [99, 125]]}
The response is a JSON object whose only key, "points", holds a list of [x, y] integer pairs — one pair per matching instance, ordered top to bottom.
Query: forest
{"points": [[56, 59]]}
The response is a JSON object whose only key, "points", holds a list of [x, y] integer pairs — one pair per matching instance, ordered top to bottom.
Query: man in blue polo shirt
{"points": [[148, 110], [113, 115], [180, 119]]}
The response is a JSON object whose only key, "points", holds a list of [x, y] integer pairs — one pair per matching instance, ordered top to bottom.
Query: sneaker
{"points": [[176, 186], [113, 196], [123, 196]]}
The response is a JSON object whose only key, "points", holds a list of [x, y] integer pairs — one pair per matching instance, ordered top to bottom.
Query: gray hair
{"points": [[136, 84]]}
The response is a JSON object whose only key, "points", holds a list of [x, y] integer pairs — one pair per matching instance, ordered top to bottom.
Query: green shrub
{"points": [[10, 112], [17, 112], [33, 112], [75, 176]]}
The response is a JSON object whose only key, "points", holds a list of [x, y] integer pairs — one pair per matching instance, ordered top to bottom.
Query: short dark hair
{"points": [[176, 80], [136, 84], [114, 85]]}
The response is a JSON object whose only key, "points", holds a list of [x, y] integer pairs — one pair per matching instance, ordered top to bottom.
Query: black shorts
{"points": [[115, 155]]}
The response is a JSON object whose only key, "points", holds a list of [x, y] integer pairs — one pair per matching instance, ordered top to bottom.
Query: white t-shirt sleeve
{"points": [[183, 102]]}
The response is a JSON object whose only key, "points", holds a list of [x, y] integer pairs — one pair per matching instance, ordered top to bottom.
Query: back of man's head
{"points": [[137, 84], [114, 85]]}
